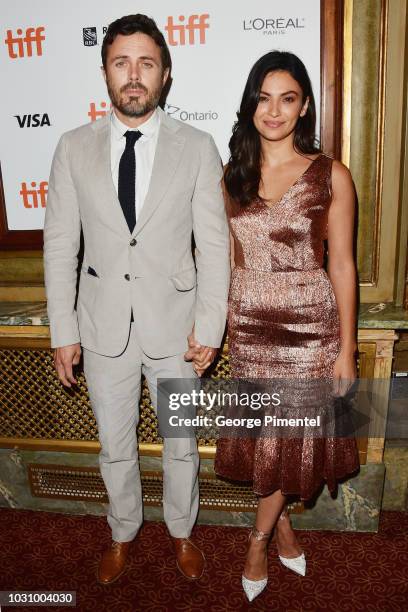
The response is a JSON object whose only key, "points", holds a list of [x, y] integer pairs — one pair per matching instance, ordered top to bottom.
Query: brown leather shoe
{"points": [[190, 559], [113, 562]]}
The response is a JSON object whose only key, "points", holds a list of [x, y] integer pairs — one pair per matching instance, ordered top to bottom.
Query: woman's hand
{"points": [[344, 373]]}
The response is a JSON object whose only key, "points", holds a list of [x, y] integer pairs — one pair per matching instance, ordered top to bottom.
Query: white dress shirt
{"points": [[145, 149]]}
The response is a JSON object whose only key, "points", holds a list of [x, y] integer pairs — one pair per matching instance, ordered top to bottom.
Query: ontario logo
{"points": [[274, 26], [178, 113]]}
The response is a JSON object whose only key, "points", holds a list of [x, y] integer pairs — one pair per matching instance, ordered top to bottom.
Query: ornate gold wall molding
{"points": [[347, 77], [373, 112], [401, 297]]}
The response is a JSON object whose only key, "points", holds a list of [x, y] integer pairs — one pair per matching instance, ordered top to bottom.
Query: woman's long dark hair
{"points": [[243, 172]]}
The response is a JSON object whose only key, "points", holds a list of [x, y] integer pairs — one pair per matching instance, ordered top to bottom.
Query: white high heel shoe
{"points": [[296, 564], [253, 588]]}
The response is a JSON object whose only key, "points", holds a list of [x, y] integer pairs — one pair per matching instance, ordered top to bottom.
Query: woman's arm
{"points": [[228, 212], [232, 251], [342, 269]]}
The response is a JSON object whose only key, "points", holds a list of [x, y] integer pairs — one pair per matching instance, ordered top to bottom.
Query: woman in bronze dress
{"points": [[288, 318]]}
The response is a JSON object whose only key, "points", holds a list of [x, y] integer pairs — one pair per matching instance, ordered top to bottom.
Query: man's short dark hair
{"points": [[131, 24]]}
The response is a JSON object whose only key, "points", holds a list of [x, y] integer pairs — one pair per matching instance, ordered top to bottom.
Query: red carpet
{"points": [[346, 571]]}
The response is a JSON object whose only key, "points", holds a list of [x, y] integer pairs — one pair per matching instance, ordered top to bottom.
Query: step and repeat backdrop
{"points": [[50, 65]]}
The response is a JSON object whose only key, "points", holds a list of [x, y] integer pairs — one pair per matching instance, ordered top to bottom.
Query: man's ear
{"points": [[103, 73], [166, 76]]}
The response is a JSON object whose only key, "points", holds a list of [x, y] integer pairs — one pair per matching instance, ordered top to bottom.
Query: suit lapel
{"points": [[169, 148], [103, 176]]}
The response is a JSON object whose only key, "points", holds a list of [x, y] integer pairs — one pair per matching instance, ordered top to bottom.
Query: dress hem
{"points": [[323, 482]]}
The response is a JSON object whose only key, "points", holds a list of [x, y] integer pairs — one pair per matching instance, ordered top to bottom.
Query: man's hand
{"points": [[201, 356], [64, 358]]}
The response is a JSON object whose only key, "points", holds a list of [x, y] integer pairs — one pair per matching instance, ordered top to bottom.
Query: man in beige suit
{"points": [[139, 184]]}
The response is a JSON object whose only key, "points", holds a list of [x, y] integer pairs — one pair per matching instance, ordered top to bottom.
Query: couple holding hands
{"points": [[140, 185]]}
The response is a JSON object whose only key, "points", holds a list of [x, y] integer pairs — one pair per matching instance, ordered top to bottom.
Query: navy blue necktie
{"points": [[127, 179]]}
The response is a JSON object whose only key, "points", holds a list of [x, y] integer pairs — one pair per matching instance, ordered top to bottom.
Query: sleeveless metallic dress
{"points": [[283, 323]]}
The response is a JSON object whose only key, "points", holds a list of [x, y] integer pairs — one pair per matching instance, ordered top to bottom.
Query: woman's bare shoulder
{"points": [[340, 171]]}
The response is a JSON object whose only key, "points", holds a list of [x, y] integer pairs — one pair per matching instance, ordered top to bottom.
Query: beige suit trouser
{"points": [[114, 385]]}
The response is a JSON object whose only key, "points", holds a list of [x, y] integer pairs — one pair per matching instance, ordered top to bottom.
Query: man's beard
{"points": [[130, 106]]}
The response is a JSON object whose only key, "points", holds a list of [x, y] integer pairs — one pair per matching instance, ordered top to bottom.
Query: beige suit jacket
{"points": [[152, 270]]}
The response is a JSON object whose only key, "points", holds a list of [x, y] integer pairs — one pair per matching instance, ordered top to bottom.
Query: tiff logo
{"points": [[177, 33], [20, 46], [95, 114], [32, 196]]}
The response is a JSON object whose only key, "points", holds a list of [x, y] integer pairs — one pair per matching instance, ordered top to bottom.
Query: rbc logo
{"points": [[177, 33], [90, 37], [19, 46], [35, 194]]}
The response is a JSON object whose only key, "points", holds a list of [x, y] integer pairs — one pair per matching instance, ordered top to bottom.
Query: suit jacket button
{"points": [[133, 242], [127, 276]]}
